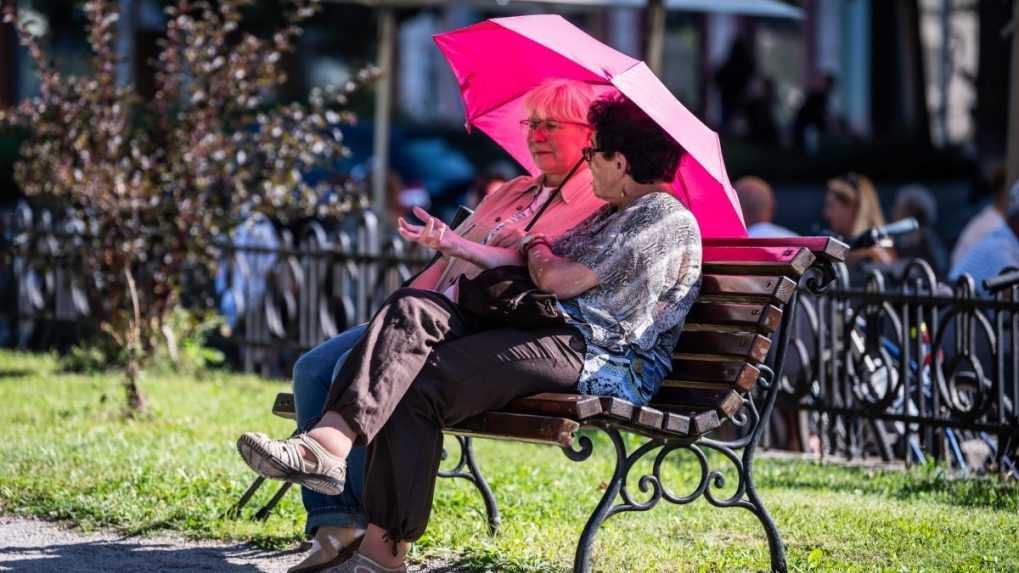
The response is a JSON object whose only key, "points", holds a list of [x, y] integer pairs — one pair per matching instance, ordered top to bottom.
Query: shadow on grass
{"points": [[13, 374], [125, 555]]}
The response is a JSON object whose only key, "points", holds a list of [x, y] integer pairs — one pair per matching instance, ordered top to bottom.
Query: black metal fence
{"points": [[904, 368]]}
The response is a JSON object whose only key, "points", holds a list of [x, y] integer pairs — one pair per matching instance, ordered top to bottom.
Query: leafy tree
{"points": [[158, 184]]}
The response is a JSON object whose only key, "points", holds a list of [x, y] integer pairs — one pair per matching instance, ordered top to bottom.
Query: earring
{"points": [[622, 192]]}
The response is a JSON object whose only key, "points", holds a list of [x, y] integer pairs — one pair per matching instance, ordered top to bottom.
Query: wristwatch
{"points": [[526, 242]]}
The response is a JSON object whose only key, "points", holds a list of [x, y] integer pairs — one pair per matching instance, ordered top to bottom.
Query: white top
{"points": [[766, 230]]}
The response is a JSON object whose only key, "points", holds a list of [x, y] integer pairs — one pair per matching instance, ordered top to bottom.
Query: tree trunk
{"points": [[135, 397]]}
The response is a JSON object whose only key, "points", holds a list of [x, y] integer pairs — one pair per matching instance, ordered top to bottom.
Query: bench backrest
{"points": [[729, 331]]}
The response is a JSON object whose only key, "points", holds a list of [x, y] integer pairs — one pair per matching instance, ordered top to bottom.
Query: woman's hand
{"points": [[434, 234], [508, 237]]}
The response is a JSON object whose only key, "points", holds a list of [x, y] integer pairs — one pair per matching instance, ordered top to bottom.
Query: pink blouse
{"points": [[574, 204]]}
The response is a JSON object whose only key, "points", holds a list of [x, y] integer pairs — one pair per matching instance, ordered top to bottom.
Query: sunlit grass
{"points": [[67, 454]]}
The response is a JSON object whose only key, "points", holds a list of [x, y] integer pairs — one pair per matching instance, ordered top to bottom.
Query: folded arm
{"points": [[563, 277]]}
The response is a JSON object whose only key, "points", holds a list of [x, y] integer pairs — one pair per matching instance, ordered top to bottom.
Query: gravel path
{"points": [[28, 545]]}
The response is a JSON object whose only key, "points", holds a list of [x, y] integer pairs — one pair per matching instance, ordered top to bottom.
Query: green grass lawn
{"points": [[66, 454]]}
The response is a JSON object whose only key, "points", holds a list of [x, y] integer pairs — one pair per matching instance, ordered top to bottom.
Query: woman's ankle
{"points": [[380, 548]]}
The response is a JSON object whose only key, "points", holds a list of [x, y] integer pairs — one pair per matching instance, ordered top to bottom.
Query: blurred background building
{"points": [[802, 90]]}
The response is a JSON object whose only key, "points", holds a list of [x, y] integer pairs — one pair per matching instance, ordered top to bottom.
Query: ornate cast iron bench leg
{"points": [[473, 475], [710, 480]]}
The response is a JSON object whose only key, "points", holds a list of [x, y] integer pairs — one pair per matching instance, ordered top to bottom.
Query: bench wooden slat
{"points": [[823, 247], [789, 261], [747, 288], [763, 318], [747, 345], [718, 375], [726, 401], [284, 406], [576, 406], [616, 408], [648, 418], [703, 422], [676, 423], [521, 427]]}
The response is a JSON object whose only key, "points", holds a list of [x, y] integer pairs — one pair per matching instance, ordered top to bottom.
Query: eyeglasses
{"points": [[547, 125], [588, 152]]}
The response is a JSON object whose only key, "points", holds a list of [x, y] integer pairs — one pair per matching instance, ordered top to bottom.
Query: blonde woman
{"points": [[556, 130], [851, 207]]}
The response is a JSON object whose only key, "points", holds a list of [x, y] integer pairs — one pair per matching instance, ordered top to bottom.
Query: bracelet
{"points": [[526, 241]]}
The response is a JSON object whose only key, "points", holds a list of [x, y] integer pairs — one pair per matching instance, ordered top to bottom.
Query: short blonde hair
{"points": [[566, 100]]}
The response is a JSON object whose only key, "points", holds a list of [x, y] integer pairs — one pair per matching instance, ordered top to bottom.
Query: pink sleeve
{"points": [[429, 279]]}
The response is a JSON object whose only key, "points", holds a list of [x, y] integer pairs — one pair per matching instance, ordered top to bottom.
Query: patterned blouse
{"points": [[647, 258]]}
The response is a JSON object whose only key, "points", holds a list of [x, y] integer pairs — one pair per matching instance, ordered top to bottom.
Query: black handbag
{"points": [[506, 296]]}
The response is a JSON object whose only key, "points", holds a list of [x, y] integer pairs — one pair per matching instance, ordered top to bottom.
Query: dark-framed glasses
{"points": [[588, 152]]}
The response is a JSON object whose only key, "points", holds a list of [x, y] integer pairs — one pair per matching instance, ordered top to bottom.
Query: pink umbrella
{"points": [[496, 62]]}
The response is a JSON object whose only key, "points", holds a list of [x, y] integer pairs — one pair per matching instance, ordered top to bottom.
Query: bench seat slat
{"points": [[824, 247], [789, 261], [747, 288], [763, 318], [746, 345], [731, 374], [726, 401], [576, 406], [284, 407], [616, 408], [648, 418], [701, 420], [676, 424], [521, 427]]}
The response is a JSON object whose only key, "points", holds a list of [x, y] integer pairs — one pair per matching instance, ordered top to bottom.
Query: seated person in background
{"points": [[917, 202], [758, 204], [851, 207], [986, 220], [997, 251]]}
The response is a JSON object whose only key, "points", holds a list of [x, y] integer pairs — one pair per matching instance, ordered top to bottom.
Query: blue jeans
{"points": [[313, 375]]}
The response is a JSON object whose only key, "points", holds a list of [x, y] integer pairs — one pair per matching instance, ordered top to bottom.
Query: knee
{"points": [[409, 303], [308, 376]]}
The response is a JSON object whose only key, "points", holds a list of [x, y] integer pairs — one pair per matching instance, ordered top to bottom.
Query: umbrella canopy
{"points": [[498, 61]]}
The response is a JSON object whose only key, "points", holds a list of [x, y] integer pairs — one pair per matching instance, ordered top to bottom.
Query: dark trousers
{"points": [[420, 367]]}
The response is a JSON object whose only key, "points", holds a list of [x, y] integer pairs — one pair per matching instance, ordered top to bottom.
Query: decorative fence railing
{"points": [[904, 368], [909, 368]]}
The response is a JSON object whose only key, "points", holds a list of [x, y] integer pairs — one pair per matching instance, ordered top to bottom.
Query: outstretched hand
{"points": [[434, 234]]}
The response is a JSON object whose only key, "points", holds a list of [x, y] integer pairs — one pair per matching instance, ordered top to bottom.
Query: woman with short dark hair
{"points": [[626, 277]]}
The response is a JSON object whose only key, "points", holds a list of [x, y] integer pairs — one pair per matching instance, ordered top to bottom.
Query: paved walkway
{"points": [[28, 545]]}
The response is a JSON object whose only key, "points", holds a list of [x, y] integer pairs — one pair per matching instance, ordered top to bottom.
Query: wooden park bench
{"points": [[726, 368]]}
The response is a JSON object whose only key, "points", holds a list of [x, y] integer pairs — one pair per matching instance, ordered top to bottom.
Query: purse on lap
{"points": [[506, 296]]}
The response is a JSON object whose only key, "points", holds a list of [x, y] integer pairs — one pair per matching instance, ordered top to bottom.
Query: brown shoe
{"points": [[282, 460], [324, 554]]}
